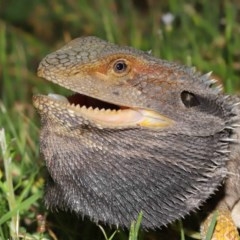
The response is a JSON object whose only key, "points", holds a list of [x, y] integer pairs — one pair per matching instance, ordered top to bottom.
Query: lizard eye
{"points": [[120, 66], [189, 99]]}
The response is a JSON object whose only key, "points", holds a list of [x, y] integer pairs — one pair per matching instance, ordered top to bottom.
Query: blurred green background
{"points": [[197, 33]]}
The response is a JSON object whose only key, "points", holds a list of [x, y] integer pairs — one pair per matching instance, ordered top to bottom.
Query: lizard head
{"points": [[139, 134]]}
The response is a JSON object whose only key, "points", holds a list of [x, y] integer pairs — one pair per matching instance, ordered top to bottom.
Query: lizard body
{"points": [[140, 134]]}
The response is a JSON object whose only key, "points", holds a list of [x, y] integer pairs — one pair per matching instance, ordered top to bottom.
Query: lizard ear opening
{"points": [[189, 99]]}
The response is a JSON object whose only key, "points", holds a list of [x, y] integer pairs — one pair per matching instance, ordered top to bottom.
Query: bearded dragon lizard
{"points": [[138, 134]]}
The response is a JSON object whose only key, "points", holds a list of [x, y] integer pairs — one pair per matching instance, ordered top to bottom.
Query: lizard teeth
{"points": [[58, 97], [125, 117]]}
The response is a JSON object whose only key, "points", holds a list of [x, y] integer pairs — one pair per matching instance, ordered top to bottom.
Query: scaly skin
{"points": [[163, 150], [228, 207]]}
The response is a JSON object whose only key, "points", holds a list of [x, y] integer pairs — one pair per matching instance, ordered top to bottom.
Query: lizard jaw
{"points": [[106, 115]]}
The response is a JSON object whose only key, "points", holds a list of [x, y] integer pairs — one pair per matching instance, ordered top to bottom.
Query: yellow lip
{"points": [[124, 118]]}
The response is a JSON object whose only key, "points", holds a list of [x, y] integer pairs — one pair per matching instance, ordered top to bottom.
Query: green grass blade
{"points": [[21, 206], [211, 226], [135, 228], [181, 230], [105, 235]]}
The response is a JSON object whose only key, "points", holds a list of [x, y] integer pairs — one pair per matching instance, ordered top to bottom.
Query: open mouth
{"points": [[82, 100], [102, 114]]}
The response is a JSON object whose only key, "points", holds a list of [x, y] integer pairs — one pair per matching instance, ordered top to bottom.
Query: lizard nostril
{"points": [[189, 99]]}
